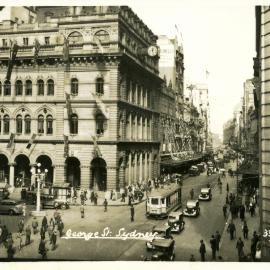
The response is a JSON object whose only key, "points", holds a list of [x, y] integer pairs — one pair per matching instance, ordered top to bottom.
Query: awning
{"points": [[174, 162], [249, 167]]}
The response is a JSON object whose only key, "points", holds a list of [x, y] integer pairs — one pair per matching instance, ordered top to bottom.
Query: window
{"points": [[102, 35], [75, 37], [47, 40], [25, 41], [4, 42], [40, 85], [99, 86], [50, 87], [74, 87], [7, 88], [19, 88], [28, 88], [27, 123], [6, 124], [19, 124], [41, 124], [49, 124], [74, 124], [99, 124], [154, 201]]}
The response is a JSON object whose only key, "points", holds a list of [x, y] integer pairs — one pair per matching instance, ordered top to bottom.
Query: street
{"points": [[96, 220]]}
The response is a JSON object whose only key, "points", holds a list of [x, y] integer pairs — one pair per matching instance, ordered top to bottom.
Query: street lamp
{"points": [[39, 176]]}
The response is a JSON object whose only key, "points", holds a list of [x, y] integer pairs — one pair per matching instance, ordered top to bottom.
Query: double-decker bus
{"points": [[160, 202]]}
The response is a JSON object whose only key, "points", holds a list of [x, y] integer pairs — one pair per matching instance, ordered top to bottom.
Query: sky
{"points": [[217, 36]]}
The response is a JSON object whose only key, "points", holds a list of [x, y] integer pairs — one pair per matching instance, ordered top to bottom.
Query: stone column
{"points": [[136, 93], [141, 97], [146, 98], [130, 126], [136, 128], [141, 129], [151, 165], [146, 167], [129, 168], [135, 168], [141, 169], [11, 173]]}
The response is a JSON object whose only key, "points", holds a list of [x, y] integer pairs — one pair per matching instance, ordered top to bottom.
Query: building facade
{"points": [[81, 98]]}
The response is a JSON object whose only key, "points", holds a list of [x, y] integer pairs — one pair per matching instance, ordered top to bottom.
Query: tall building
{"points": [[80, 97], [262, 104]]}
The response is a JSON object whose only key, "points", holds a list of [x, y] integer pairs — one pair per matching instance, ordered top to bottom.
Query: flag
{"points": [[176, 28], [97, 40], [36, 49], [66, 50], [13, 53], [207, 73], [68, 105], [101, 106], [11, 140], [30, 142], [66, 148], [96, 148]]}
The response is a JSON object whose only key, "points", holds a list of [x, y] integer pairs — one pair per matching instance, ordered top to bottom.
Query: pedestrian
{"points": [[227, 187], [191, 194], [92, 196], [123, 197], [82, 198], [96, 199], [227, 199], [105, 203], [252, 209], [24, 210], [224, 210], [82, 211], [132, 212], [242, 212], [52, 222], [44, 223], [21, 225], [35, 225], [60, 228], [231, 229], [245, 230], [50, 232], [42, 233], [4, 234], [27, 235], [20, 237], [218, 238], [54, 239], [213, 243], [240, 246], [42, 250], [202, 250], [10, 252], [192, 258]]}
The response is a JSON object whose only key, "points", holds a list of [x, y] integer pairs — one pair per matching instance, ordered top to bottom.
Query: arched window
{"points": [[102, 36], [75, 37], [40, 85], [100, 86], [50, 87], [74, 87], [0, 88], [7, 88], [19, 88], [28, 88], [6, 124], [19, 124], [27, 124], [40, 124], [49, 124], [74, 124], [100, 124]]}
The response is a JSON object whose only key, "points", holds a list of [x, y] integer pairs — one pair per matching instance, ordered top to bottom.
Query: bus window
{"points": [[162, 200], [154, 201]]}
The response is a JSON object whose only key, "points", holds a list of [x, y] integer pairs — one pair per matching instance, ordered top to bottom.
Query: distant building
{"points": [[229, 131]]}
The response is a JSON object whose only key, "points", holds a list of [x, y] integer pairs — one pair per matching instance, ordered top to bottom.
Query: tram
{"points": [[162, 201]]}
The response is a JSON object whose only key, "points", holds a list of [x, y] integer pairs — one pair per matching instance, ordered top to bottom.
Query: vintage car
{"points": [[201, 167], [193, 171], [4, 193], [205, 195], [50, 201], [11, 207], [192, 208], [176, 221], [163, 231], [164, 250]]}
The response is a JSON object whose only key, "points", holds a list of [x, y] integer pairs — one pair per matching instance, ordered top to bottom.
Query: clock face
{"points": [[152, 50]]}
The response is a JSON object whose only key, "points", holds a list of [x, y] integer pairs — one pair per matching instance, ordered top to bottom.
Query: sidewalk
{"points": [[228, 250]]}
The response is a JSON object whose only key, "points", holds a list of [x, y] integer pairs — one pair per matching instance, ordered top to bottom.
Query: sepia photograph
{"points": [[134, 132]]}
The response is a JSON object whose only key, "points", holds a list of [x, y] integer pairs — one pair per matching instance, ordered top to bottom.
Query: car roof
{"points": [[205, 189], [163, 192], [192, 202], [176, 214], [162, 227], [162, 242]]}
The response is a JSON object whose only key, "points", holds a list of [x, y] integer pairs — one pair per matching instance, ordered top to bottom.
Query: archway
{"points": [[46, 163], [4, 168], [22, 171], [73, 171], [98, 174]]}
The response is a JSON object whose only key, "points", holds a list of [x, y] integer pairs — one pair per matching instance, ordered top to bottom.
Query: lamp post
{"points": [[39, 176]]}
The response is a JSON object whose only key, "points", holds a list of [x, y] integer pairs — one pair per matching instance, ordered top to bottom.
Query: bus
{"points": [[162, 201]]}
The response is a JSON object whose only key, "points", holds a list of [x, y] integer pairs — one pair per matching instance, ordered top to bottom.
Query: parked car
{"points": [[201, 167], [193, 171], [4, 193], [206, 194], [49, 201], [11, 207], [192, 208], [176, 221], [163, 231], [164, 250]]}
